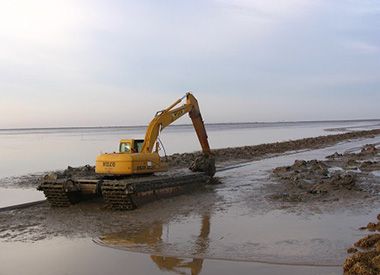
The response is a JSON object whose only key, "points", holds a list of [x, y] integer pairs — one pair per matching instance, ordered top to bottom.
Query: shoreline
{"points": [[290, 122]]}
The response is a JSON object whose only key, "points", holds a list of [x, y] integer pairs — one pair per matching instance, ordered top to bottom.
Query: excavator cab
{"points": [[130, 160]]}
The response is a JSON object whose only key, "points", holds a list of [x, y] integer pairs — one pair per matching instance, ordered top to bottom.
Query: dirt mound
{"points": [[369, 149], [72, 172], [339, 176], [313, 177], [336, 181], [366, 253]]}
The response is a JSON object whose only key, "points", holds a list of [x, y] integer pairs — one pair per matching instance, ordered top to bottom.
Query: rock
{"points": [[369, 149], [334, 156], [299, 164], [281, 170], [372, 226], [368, 241], [377, 247], [352, 250], [350, 261], [366, 262], [376, 262], [359, 263], [360, 268]]}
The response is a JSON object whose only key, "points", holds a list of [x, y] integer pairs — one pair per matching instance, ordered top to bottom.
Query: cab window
{"points": [[138, 145], [125, 147]]}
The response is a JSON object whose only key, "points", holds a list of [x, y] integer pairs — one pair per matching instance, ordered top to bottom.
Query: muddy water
{"points": [[194, 233]]}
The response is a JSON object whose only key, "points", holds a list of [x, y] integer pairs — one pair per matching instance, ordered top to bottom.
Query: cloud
{"points": [[102, 62]]}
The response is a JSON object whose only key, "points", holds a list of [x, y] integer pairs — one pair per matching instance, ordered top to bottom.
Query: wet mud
{"points": [[340, 176], [257, 213], [365, 253]]}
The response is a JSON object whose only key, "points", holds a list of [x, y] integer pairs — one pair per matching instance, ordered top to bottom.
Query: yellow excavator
{"points": [[137, 156], [136, 174]]}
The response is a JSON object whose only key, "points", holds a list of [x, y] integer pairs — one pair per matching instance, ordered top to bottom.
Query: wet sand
{"points": [[237, 220]]}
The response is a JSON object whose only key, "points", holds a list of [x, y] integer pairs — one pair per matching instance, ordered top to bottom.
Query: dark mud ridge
{"points": [[262, 150], [340, 176], [365, 254]]}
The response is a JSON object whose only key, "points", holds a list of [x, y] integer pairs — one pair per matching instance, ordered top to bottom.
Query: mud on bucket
{"points": [[204, 163]]}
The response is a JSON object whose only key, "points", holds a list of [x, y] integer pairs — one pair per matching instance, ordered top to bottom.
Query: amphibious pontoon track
{"points": [[60, 193], [130, 193], [120, 194]]}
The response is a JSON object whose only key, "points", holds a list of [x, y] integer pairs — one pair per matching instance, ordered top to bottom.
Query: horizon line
{"points": [[188, 124]]}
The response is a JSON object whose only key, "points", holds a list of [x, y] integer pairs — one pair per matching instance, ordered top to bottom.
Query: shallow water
{"points": [[40, 150], [376, 173], [13, 196], [243, 225], [231, 228], [199, 234], [81, 256]]}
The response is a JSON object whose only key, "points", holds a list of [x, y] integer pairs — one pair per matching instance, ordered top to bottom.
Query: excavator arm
{"points": [[167, 116], [144, 160]]}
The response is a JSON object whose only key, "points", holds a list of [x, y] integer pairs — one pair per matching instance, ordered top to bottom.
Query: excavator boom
{"points": [[167, 116], [199, 126], [139, 156]]}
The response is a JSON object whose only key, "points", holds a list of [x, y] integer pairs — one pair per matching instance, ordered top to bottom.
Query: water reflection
{"points": [[153, 238], [176, 265]]}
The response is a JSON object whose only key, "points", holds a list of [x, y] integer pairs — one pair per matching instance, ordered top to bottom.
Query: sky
{"points": [[104, 63]]}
